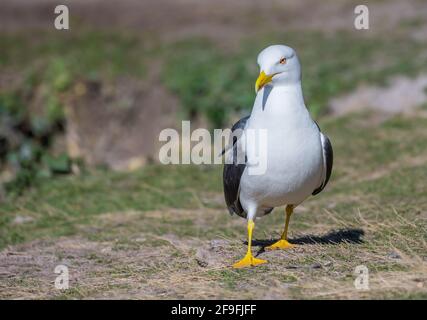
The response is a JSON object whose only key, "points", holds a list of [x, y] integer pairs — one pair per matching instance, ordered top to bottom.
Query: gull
{"points": [[299, 156]]}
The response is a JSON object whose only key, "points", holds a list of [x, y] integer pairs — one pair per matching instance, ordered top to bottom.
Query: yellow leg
{"points": [[283, 242], [249, 259]]}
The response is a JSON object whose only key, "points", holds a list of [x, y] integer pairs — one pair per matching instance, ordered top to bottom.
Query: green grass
{"points": [[70, 200]]}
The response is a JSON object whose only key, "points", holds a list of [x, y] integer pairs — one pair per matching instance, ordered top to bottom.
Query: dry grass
{"points": [[127, 264]]}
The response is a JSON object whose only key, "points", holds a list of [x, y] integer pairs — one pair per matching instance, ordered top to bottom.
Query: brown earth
{"points": [[222, 18]]}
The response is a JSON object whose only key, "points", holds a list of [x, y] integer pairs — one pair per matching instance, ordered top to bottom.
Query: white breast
{"points": [[293, 152]]}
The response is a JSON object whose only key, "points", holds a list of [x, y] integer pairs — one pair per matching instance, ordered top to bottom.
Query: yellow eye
{"points": [[282, 61]]}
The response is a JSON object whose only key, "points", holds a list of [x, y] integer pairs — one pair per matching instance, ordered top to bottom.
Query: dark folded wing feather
{"points": [[328, 159], [232, 174]]}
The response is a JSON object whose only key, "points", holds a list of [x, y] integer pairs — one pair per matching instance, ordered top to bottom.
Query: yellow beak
{"points": [[262, 80]]}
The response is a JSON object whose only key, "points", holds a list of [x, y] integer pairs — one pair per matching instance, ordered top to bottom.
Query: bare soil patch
{"points": [[402, 95]]}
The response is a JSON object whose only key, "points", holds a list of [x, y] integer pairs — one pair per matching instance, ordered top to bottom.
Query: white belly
{"points": [[293, 169]]}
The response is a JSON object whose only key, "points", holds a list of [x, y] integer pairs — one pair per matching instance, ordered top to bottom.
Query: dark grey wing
{"points": [[238, 125], [328, 159], [232, 174]]}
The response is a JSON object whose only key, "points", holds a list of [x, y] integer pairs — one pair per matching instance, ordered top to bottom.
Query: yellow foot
{"points": [[281, 244], [247, 261]]}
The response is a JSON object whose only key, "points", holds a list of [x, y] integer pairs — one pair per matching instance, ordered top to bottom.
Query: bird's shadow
{"points": [[333, 237]]}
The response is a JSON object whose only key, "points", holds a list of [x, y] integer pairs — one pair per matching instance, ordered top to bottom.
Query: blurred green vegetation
{"points": [[92, 54], [50, 66], [209, 80], [217, 83], [25, 141]]}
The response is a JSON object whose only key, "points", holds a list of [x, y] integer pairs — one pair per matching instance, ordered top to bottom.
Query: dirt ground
{"points": [[224, 20]]}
